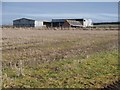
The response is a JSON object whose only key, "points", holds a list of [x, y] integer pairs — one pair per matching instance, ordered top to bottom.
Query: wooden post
{"points": [[51, 24], [59, 24]]}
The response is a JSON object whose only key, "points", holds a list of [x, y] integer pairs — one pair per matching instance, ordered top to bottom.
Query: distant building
{"points": [[24, 22], [57, 22], [83, 22], [47, 23], [69, 23], [72, 23], [87, 23], [39, 24]]}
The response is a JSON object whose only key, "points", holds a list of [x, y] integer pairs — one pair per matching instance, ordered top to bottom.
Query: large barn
{"points": [[24, 22]]}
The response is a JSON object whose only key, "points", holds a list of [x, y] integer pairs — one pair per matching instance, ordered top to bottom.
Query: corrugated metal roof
{"points": [[23, 19], [58, 20], [62, 20], [74, 23]]}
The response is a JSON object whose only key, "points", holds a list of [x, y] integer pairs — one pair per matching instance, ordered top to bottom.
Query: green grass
{"points": [[96, 71]]}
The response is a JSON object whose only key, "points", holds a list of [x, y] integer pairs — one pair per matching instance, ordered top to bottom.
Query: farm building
{"points": [[23, 22], [58, 22], [47, 23], [69, 23], [72, 23], [87, 23], [39, 24]]}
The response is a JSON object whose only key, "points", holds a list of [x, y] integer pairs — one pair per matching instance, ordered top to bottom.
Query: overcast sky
{"points": [[97, 11]]}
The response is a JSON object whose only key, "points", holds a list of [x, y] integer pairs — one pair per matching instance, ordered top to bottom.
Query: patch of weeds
{"points": [[93, 72]]}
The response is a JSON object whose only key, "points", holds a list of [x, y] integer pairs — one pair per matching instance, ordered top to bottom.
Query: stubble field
{"points": [[59, 58]]}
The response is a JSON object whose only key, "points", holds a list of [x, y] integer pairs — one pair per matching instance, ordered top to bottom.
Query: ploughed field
{"points": [[59, 58]]}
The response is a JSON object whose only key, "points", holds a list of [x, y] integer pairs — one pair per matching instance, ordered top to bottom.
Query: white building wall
{"points": [[84, 22], [87, 23], [90, 23], [39, 24]]}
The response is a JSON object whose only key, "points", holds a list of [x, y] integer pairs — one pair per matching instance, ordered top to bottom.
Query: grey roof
{"points": [[23, 18], [58, 20], [62, 20], [74, 23]]}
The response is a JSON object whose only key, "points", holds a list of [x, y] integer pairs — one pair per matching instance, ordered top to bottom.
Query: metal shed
{"points": [[23, 22]]}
